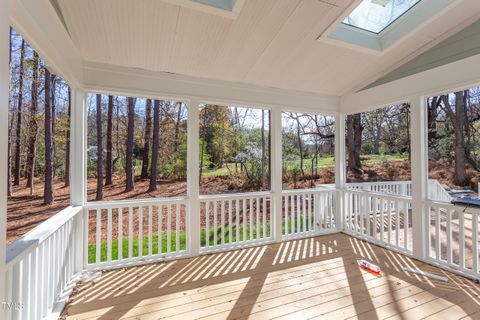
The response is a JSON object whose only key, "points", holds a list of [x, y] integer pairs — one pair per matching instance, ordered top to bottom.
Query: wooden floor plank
{"points": [[310, 278]]}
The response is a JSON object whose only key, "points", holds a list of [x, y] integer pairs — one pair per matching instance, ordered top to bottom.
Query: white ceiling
{"points": [[271, 42]]}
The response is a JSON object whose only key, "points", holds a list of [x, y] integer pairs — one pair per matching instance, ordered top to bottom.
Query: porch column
{"points": [[4, 92], [78, 148], [340, 169], [78, 172], [276, 172], [419, 173], [193, 176]]}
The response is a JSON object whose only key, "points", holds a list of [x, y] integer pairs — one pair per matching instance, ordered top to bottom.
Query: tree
{"points": [[458, 120], [33, 126], [177, 127], [18, 132], [67, 140], [354, 142], [155, 144], [146, 147], [129, 151], [109, 160], [48, 182], [99, 195]]}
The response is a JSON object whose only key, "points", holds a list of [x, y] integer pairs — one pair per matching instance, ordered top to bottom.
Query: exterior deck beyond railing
{"points": [[114, 234]]}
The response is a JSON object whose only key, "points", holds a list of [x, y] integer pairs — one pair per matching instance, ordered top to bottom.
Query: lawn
{"points": [[323, 162], [296, 225]]}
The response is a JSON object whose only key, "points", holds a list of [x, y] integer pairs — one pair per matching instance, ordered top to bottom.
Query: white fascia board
{"points": [[40, 26], [454, 76], [110, 79]]}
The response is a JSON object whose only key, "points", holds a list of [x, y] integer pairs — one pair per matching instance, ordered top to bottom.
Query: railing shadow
{"points": [[241, 275]]}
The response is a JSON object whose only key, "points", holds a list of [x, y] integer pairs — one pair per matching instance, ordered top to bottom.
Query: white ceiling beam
{"points": [[40, 26], [454, 76], [135, 82]]}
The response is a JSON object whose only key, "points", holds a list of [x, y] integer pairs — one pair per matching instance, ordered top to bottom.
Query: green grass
{"points": [[375, 159], [323, 162], [182, 242]]}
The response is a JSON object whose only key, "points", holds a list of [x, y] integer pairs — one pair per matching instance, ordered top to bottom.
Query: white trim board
{"points": [[457, 75], [122, 80]]}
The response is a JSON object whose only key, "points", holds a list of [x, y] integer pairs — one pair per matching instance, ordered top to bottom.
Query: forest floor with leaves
{"points": [[25, 211]]}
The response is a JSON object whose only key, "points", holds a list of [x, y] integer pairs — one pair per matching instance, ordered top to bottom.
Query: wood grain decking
{"points": [[310, 278]]}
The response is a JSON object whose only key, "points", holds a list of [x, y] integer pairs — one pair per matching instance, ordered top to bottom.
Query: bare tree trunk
{"points": [[54, 113], [457, 117], [33, 126], [177, 128], [18, 133], [148, 133], [67, 140], [354, 142], [155, 145], [300, 146], [109, 160], [48, 183], [129, 186], [99, 195]]}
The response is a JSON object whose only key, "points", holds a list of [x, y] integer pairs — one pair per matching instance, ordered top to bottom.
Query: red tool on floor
{"points": [[370, 267]]}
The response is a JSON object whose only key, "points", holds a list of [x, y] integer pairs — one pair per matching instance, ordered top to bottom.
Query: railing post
{"points": [[4, 105], [340, 170], [276, 172], [419, 175], [193, 176]]}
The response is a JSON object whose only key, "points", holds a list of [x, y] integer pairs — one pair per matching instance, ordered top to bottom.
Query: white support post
{"points": [[4, 93], [78, 148], [340, 170], [276, 172], [78, 175], [419, 175], [193, 176]]}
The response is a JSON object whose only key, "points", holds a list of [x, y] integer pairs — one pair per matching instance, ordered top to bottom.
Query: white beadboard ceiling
{"points": [[271, 43]]}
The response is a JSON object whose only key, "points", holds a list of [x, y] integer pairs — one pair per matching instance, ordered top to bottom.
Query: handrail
{"points": [[380, 194], [235, 195], [133, 203], [447, 205], [24, 245]]}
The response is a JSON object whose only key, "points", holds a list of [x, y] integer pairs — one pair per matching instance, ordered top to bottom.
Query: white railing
{"points": [[400, 188], [437, 192], [308, 212], [380, 218], [234, 220], [122, 233], [452, 237], [41, 267]]}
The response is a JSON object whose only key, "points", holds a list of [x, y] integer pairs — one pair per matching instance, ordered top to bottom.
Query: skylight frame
{"points": [[386, 26], [359, 39]]}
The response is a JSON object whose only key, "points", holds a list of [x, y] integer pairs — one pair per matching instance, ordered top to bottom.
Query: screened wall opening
{"points": [[39, 140], [453, 144], [378, 145], [137, 148], [234, 149], [308, 149]]}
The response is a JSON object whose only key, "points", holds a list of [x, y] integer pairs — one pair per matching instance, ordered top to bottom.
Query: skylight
{"points": [[220, 4], [376, 15]]}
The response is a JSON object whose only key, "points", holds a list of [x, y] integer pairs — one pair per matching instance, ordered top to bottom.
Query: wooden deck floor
{"points": [[311, 278]]}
